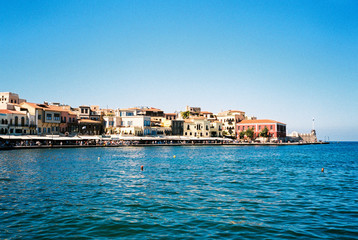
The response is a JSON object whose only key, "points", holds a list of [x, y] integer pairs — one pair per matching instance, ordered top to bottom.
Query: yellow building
{"points": [[46, 120], [197, 127]]}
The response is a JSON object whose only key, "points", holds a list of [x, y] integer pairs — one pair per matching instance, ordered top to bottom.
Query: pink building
{"points": [[68, 118], [275, 129]]}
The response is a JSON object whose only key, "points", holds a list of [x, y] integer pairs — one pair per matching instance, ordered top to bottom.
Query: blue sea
{"points": [[191, 192]]}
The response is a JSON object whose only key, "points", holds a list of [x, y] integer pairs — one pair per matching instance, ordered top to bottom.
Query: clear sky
{"points": [[282, 60]]}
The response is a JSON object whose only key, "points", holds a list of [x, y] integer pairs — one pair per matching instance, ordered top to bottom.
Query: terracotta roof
{"points": [[34, 105], [56, 108], [152, 110], [6, 111], [206, 112], [173, 114], [88, 121], [259, 121]]}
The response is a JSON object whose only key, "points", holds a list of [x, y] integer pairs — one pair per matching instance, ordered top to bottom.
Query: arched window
{"points": [[16, 121], [22, 121]]}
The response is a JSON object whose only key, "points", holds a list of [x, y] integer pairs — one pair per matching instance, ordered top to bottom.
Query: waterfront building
{"points": [[9, 100], [88, 112], [126, 112], [152, 112], [208, 115], [170, 116], [46, 119], [89, 120], [229, 120], [13, 122], [68, 123], [111, 123], [135, 125], [90, 127], [177, 127], [196, 127], [216, 129], [275, 129]]}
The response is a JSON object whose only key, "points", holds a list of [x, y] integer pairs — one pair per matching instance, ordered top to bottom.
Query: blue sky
{"points": [[283, 60]]}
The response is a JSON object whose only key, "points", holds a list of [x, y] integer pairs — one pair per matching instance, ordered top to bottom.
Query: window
{"points": [[82, 110], [86, 110], [48, 116], [39, 117], [56, 117], [207, 127], [259, 127], [271, 127], [188, 128], [243, 128], [56, 129], [39, 130], [44, 130], [49, 130]]}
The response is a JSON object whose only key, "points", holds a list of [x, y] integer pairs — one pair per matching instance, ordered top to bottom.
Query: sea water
{"points": [[228, 192]]}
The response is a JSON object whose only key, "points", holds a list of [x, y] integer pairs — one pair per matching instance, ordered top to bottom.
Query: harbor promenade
{"points": [[35, 141]]}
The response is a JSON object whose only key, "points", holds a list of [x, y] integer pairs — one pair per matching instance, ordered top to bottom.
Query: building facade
{"points": [[229, 119], [13, 122], [196, 127], [275, 129]]}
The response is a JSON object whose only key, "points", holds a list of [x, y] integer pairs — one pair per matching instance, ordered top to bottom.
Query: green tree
{"points": [[185, 115], [264, 132], [249, 133], [242, 134]]}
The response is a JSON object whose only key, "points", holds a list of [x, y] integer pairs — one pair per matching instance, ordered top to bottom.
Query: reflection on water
{"points": [[205, 192]]}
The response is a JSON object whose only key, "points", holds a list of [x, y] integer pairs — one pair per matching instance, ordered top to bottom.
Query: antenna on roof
{"points": [[313, 123]]}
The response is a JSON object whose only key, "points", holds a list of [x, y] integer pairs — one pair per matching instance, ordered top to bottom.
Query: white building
{"points": [[229, 119]]}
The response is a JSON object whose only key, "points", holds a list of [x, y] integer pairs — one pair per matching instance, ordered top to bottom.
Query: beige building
{"points": [[9, 100], [46, 119], [229, 119], [197, 127], [216, 129]]}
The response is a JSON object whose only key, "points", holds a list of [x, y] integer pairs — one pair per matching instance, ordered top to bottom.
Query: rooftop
{"points": [[6, 111], [259, 121]]}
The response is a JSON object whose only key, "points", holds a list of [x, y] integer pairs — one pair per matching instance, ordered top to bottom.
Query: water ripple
{"points": [[205, 192]]}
